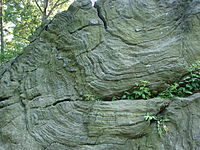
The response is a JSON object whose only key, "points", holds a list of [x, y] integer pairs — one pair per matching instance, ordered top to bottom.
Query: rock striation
{"points": [[102, 50]]}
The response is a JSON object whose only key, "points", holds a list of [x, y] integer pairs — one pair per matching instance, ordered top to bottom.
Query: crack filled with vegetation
{"points": [[188, 85], [160, 123]]}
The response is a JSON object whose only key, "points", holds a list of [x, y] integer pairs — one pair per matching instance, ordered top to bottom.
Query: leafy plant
{"points": [[20, 19], [8, 55], [194, 67], [191, 82], [188, 85], [141, 91], [170, 92], [127, 95], [90, 97], [114, 98], [159, 123]]}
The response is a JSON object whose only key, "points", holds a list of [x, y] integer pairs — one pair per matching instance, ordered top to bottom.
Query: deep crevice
{"points": [[99, 13], [81, 28], [4, 98], [60, 101], [6, 105], [163, 108], [25, 115], [132, 124], [137, 136]]}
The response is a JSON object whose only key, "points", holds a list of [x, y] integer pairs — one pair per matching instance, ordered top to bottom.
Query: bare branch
{"points": [[51, 2], [46, 3], [62, 3], [38, 6], [54, 6], [15, 35], [21, 37]]}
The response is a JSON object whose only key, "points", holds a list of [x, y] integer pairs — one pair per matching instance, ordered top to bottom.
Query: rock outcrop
{"points": [[102, 50], [102, 125]]}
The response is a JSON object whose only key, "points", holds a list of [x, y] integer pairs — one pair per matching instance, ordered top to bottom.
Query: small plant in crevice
{"points": [[194, 67], [188, 85], [140, 91], [170, 92], [90, 97], [114, 98], [160, 123]]}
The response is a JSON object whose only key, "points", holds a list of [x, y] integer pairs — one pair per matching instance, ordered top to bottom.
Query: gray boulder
{"points": [[102, 50]]}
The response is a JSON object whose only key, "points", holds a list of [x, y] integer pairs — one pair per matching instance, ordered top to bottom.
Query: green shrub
{"points": [[188, 85], [141, 91], [170, 92], [90, 97], [160, 123]]}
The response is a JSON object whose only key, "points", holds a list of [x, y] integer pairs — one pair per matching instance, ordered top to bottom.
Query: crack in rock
{"points": [[99, 13]]}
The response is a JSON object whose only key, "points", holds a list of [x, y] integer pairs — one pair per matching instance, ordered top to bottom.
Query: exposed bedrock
{"points": [[102, 50], [102, 125]]}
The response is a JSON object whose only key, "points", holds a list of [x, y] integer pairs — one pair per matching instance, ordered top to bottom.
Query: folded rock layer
{"points": [[102, 50]]}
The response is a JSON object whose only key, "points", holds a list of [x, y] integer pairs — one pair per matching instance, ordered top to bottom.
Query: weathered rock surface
{"points": [[102, 51], [118, 125]]}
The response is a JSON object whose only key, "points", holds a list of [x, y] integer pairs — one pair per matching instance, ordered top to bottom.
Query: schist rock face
{"points": [[102, 50]]}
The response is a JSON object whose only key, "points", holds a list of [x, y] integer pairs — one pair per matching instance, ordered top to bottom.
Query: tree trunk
{"points": [[45, 5], [1, 24]]}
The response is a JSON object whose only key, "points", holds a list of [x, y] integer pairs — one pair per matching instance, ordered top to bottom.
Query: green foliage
{"points": [[20, 19], [8, 55], [194, 67], [188, 85], [141, 91], [170, 92], [90, 97], [114, 98], [160, 120]]}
